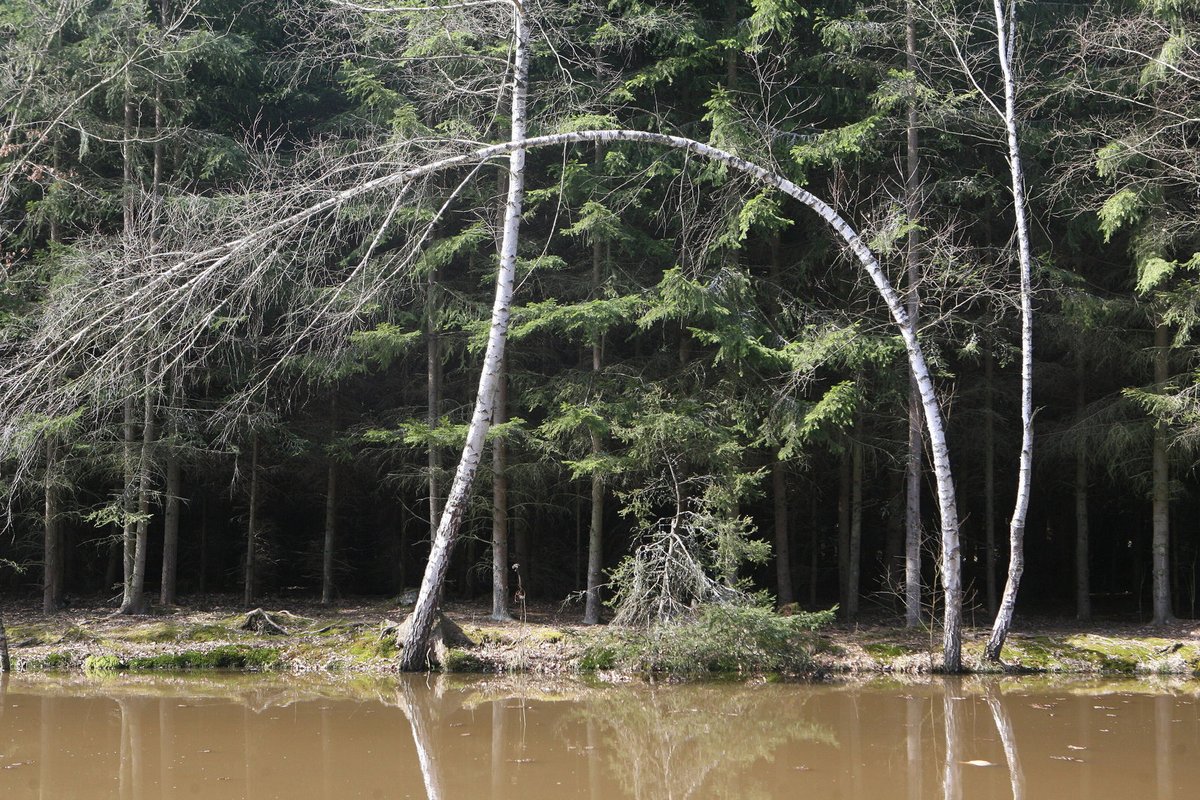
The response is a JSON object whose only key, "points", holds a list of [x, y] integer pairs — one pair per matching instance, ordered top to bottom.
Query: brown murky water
{"points": [[277, 737]]}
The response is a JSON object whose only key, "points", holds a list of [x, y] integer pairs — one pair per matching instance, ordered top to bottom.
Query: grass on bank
{"points": [[716, 640]]}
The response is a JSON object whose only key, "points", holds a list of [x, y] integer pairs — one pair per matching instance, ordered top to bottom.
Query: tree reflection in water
{"points": [[1007, 739], [696, 741]]}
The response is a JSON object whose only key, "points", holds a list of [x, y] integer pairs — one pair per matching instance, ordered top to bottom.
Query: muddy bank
{"points": [[355, 638]]}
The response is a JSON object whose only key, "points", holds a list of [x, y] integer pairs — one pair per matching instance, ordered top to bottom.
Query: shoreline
{"points": [[354, 638]]}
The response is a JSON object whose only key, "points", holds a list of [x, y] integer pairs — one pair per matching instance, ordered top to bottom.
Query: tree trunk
{"points": [[1005, 42], [433, 372], [916, 442], [989, 477], [845, 478], [1161, 490], [331, 501], [128, 509], [251, 525], [128, 531], [814, 550], [951, 555], [783, 556], [52, 560], [595, 564], [170, 566], [853, 572], [202, 580], [1083, 594], [136, 603], [500, 610], [415, 655], [5, 663]]}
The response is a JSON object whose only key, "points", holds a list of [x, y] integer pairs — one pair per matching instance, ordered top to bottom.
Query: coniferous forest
{"points": [[888, 305]]}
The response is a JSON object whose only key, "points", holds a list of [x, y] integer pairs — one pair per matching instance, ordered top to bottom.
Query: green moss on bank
{"points": [[228, 657]]}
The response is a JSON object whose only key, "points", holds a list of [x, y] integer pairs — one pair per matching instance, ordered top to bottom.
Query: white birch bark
{"points": [[1006, 24], [415, 655]]}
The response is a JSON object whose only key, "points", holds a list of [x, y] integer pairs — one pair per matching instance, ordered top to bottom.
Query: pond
{"points": [[448, 737]]}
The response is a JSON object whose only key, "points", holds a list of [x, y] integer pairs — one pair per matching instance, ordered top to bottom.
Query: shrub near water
{"points": [[717, 639]]}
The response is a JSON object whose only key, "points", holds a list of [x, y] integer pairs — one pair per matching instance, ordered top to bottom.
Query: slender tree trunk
{"points": [[1006, 25], [433, 371], [916, 442], [989, 477], [845, 478], [1161, 490], [331, 503], [128, 507], [251, 525], [128, 529], [814, 550], [783, 556], [52, 561], [170, 564], [595, 565], [853, 572], [202, 580], [1083, 594], [137, 595], [500, 610], [415, 655], [5, 663]]}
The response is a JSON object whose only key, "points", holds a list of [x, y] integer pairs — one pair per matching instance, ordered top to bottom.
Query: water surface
{"points": [[285, 737]]}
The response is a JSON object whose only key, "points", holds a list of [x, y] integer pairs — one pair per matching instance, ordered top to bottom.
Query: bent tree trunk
{"points": [[1006, 23], [939, 450]]}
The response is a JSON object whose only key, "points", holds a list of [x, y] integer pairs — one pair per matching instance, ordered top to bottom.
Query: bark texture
{"points": [[1006, 25], [912, 488], [251, 527], [1160, 544], [52, 555], [783, 555], [170, 563], [1083, 593], [500, 610], [415, 654]]}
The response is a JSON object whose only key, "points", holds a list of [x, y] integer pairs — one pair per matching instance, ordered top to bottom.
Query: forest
{"points": [[504, 300]]}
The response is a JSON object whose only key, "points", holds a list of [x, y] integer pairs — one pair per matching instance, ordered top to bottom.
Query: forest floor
{"points": [[544, 639]]}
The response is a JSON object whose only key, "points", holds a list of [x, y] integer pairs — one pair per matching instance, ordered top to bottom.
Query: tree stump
{"points": [[261, 622]]}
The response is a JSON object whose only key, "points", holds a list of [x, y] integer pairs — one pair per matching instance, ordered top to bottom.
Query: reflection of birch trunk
{"points": [[417, 713], [1004, 727], [952, 771]]}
